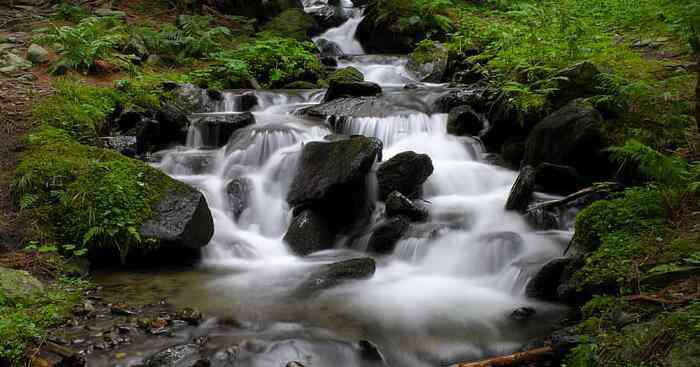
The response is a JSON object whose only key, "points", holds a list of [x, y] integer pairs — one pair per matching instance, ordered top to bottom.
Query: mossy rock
{"points": [[293, 23], [429, 61], [347, 75], [300, 85], [18, 286]]}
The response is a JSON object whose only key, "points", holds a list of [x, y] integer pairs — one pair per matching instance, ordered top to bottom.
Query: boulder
{"points": [[258, 9], [327, 16], [293, 23], [379, 34], [330, 49], [37, 54], [329, 61], [11, 63], [429, 63], [347, 75], [576, 81], [300, 84], [338, 89], [479, 98], [247, 101], [339, 110], [463, 120], [216, 130], [571, 136], [124, 144], [405, 172], [557, 179], [522, 190], [238, 192], [397, 204], [180, 222], [309, 232], [385, 236], [332, 275], [545, 282], [18, 286], [522, 313], [369, 351], [179, 355]]}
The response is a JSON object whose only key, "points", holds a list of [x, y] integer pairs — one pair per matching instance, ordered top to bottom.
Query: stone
{"points": [[106, 12], [327, 16], [293, 23], [384, 35], [329, 49], [37, 54], [11, 63], [429, 65], [347, 75], [576, 81], [300, 84], [338, 89], [479, 98], [247, 101], [337, 111], [464, 121], [216, 130], [571, 136], [124, 144], [405, 172], [557, 179], [522, 190], [239, 191], [398, 204], [309, 232], [387, 234], [331, 275], [543, 285], [18, 286], [522, 313], [369, 351], [179, 355]]}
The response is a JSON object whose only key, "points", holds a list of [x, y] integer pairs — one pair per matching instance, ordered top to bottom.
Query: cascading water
{"points": [[438, 299]]}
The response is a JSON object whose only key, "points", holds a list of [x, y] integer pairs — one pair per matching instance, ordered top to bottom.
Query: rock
{"points": [[258, 9], [106, 12], [327, 16], [293, 23], [379, 34], [330, 49], [37, 54], [153, 60], [329, 61], [11, 63], [429, 64], [347, 75], [469, 76], [579, 81], [300, 84], [338, 89], [479, 98], [339, 110], [463, 120], [216, 130], [570, 136], [124, 144], [512, 152], [405, 172], [557, 179], [522, 190], [239, 191], [397, 204], [542, 219], [180, 221], [309, 232], [385, 236], [332, 275], [662, 279], [545, 282], [18, 286], [522, 313], [190, 316], [369, 351], [179, 355], [294, 364]]}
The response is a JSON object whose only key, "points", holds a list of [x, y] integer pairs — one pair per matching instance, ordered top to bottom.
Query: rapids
{"points": [[434, 301]]}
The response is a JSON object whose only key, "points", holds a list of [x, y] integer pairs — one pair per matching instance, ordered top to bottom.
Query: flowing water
{"points": [[436, 300]]}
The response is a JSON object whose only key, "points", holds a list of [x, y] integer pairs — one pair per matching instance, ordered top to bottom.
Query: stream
{"points": [[435, 300]]}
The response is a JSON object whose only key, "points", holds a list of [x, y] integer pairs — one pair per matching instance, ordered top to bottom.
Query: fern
{"points": [[670, 171]]}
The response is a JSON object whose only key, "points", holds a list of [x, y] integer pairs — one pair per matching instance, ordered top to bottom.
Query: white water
{"points": [[435, 299]]}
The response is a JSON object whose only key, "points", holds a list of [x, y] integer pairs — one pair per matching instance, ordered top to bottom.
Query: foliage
{"points": [[70, 11], [430, 17], [293, 23], [193, 37], [22, 324]]}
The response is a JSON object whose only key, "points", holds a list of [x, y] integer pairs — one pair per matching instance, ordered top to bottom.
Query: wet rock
{"points": [[258, 9], [327, 16], [293, 23], [384, 35], [329, 49], [37, 54], [329, 61], [11, 63], [429, 65], [347, 75], [577, 81], [300, 84], [339, 89], [479, 98], [247, 101], [338, 110], [463, 120], [216, 130], [570, 136], [124, 144], [512, 153], [405, 172], [557, 179], [522, 190], [238, 192], [398, 204], [542, 219], [181, 224], [309, 232], [385, 236], [332, 275], [545, 282], [18, 285], [121, 310], [522, 313], [190, 316], [369, 351], [180, 355], [202, 363], [294, 364]]}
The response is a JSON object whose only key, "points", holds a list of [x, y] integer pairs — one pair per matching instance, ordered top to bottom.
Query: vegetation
{"points": [[430, 17]]}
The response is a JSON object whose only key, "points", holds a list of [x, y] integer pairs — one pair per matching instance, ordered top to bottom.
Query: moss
{"points": [[293, 23], [426, 51], [346, 75], [88, 196]]}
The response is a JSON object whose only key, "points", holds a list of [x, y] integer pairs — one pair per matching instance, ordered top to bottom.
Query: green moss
{"points": [[293, 23], [424, 52], [346, 75]]}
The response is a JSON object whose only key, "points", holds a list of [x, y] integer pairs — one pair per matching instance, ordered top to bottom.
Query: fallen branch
{"points": [[529, 356]]}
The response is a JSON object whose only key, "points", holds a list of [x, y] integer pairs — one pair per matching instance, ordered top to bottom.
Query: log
{"points": [[530, 356]]}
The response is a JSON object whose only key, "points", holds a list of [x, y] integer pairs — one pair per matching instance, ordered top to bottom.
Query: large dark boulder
{"points": [[258, 9], [327, 16], [380, 34], [329, 49], [429, 64], [347, 74], [577, 81], [338, 89], [478, 97], [338, 110], [463, 120], [216, 130], [571, 136], [405, 172], [557, 179], [522, 190], [238, 192], [398, 204], [180, 223], [309, 232], [385, 236], [331, 275], [543, 285], [179, 355]]}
